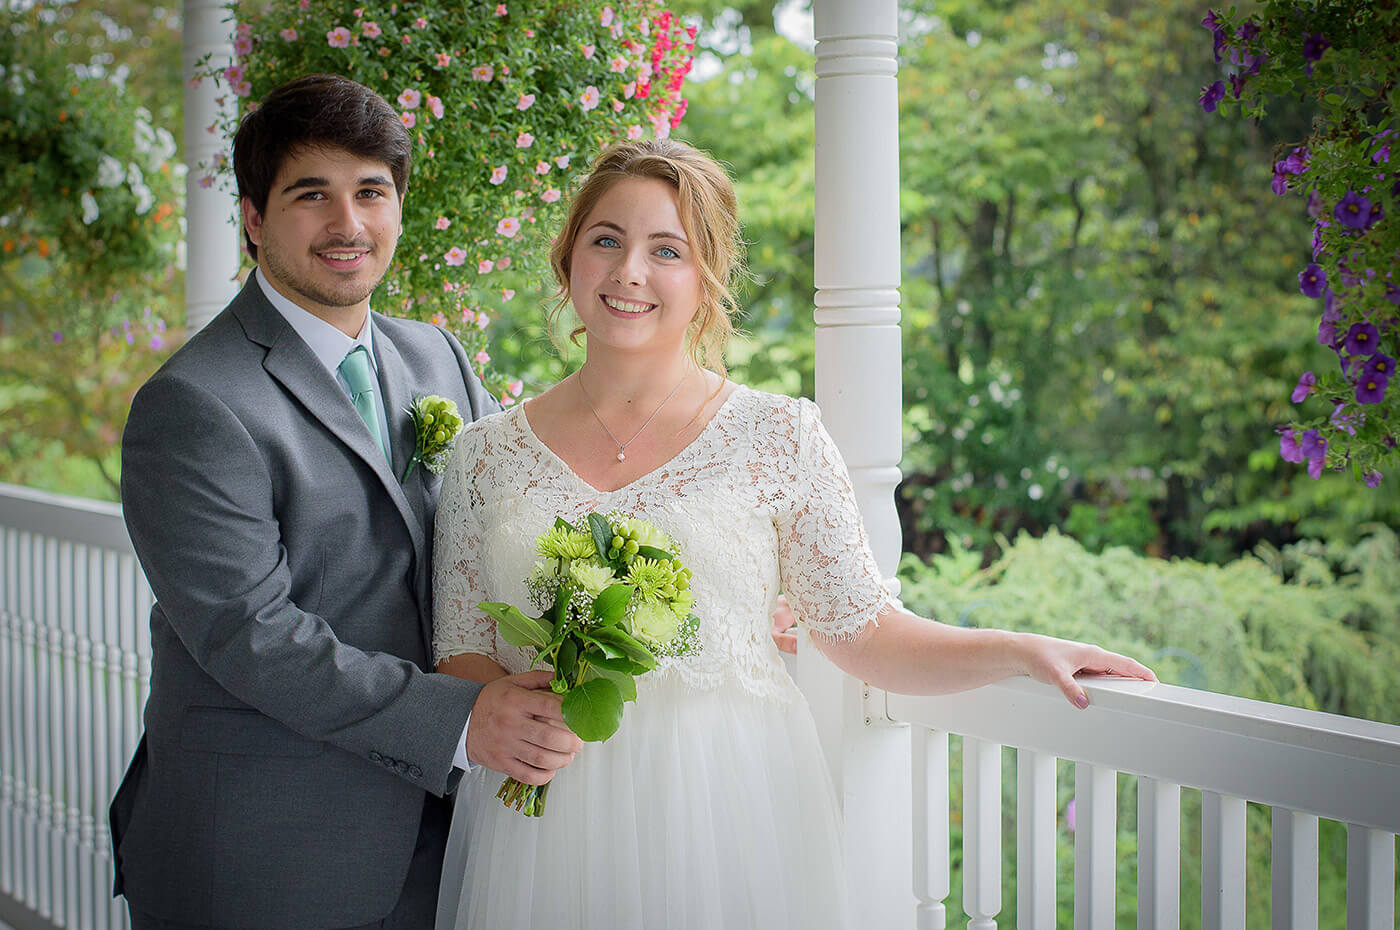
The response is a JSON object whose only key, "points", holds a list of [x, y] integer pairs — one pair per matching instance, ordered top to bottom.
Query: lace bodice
{"points": [[760, 502]]}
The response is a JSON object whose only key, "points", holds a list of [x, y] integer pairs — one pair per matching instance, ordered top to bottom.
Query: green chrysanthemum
{"points": [[643, 532], [565, 543], [654, 580], [654, 623]]}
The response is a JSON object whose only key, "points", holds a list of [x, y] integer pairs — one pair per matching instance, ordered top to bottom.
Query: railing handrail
{"points": [[73, 519], [1336, 767]]}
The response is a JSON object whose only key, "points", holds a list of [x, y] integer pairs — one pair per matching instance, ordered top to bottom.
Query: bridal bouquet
{"points": [[612, 595]]}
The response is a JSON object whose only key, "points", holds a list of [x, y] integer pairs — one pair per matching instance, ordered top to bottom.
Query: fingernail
{"points": [[1081, 701]]}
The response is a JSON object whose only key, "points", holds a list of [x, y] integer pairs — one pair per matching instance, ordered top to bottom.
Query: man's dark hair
{"points": [[316, 111]]}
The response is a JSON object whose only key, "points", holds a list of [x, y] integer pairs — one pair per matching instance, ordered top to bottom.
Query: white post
{"points": [[211, 236], [858, 389]]}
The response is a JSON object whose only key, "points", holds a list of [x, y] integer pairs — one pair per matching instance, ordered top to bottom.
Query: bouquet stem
{"points": [[528, 799]]}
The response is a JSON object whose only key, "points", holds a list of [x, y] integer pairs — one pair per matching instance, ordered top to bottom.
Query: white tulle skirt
{"points": [[707, 809]]}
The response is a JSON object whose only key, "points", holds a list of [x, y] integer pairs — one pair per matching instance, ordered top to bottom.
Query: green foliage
{"points": [[1344, 58], [506, 104], [91, 260]]}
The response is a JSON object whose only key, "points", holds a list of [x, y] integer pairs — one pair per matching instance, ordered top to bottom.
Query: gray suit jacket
{"points": [[292, 728]]}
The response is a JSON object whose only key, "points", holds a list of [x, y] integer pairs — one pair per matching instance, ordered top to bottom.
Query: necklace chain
{"points": [[622, 446]]}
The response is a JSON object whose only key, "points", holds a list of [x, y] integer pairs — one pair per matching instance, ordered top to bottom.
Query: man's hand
{"points": [[784, 620], [516, 728]]}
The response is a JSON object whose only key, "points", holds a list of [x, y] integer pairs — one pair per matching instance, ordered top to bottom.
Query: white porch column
{"points": [[211, 238], [858, 389]]}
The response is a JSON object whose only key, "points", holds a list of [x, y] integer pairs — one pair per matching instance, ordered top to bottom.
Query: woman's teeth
{"points": [[627, 306]]}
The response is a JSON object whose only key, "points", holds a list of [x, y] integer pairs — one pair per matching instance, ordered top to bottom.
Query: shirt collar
{"points": [[328, 344]]}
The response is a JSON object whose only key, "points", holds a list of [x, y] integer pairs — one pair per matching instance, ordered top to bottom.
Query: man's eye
{"points": [[371, 194], [312, 195]]}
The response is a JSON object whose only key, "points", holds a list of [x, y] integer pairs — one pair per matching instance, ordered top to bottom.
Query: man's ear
{"points": [[252, 220]]}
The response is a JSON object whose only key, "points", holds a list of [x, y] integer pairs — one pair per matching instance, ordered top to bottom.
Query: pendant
{"points": [[622, 456]]}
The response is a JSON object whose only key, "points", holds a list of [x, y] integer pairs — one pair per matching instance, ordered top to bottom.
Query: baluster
{"points": [[88, 597], [9, 716], [103, 737], [68, 767], [28, 775], [1036, 818], [981, 833], [1095, 846], [1159, 854], [931, 861], [1222, 862], [1295, 870], [1370, 879]]}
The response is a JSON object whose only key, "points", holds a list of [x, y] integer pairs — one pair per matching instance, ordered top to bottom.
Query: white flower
{"points": [[110, 172], [144, 199], [90, 211], [591, 576], [655, 624]]}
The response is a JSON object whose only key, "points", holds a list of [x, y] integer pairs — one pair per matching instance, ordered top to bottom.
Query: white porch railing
{"points": [[75, 665], [74, 668], [1303, 764]]}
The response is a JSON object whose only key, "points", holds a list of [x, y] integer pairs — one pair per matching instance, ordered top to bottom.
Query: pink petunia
{"points": [[303, 5], [500, 9], [605, 19], [420, 23], [243, 29], [371, 30], [529, 33], [288, 35], [339, 37], [243, 45], [587, 50], [443, 59], [617, 65], [233, 73], [483, 73], [241, 88], [629, 90], [589, 98], [410, 99], [525, 102], [617, 106], [435, 107], [409, 120], [634, 131], [524, 140], [562, 161], [541, 167], [498, 174], [206, 182], [550, 195], [442, 223], [508, 227], [455, 256], [503, 263], [484, 266], [507, 293], [468, 316], [439, 320], [482, 321], [481, 358], [515, 387]]}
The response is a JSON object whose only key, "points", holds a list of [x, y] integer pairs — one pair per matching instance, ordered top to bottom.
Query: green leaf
{"points": [[561, 524], [602, 532], [652, 552], [611, 604], [516, 628], [610, 638], [594, 655], [566, 661], [626, 684], [593, 710]]}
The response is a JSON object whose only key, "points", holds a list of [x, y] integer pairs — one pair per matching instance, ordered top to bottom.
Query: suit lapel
{"points": [[291, 363], [398, 395]]}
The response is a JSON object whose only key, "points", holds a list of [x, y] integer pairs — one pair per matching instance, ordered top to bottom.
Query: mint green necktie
{"points": [[359, 375]]}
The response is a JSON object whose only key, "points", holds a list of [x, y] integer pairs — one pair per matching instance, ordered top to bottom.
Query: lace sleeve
{"points": [[828, 570], [457, 581]]}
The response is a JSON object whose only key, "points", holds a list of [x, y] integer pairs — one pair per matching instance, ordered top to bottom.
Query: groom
{"points": [[296, 748]]}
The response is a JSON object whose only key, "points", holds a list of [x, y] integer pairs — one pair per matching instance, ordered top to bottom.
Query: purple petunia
{"points": [[1217, 33], [1314, 45], [1212, 95], [1297, 160], [1314, 207], [1354, 211], [1312, 280], [1392, 293], [1361, 339], [1379, 365], [1305, 387], [1371, 389], [1342, 420], [1312, 444], [1288, 448], [1372, 479]]}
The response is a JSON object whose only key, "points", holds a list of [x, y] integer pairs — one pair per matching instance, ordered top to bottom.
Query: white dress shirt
{"points": [[330, 346]]}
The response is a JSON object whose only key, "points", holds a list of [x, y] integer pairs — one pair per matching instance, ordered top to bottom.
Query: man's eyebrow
{"points": [[373, 180], [663, 234]]}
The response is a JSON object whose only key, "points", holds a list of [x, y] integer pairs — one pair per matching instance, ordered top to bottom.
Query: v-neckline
{"points": [[529, 431]]}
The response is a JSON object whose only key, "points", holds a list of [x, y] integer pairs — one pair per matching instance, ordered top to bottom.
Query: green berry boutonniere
{"points": [[436, 423]]}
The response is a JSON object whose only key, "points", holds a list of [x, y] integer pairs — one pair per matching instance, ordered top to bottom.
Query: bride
{"points": [[711, 806]]}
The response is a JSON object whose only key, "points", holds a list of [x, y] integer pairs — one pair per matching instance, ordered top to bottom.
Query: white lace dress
{"points": [[711, 807]]}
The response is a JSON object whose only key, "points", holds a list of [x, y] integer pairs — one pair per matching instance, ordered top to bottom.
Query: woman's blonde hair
{"points": [[709, 217]]}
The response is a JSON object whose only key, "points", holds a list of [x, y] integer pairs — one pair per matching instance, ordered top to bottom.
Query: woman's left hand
{"points": [[1056, 662]]}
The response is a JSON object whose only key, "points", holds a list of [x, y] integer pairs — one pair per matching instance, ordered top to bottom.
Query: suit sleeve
{"points": [[199, 506]]}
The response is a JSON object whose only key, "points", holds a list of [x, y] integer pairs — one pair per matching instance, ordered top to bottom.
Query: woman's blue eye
{"points": [[607, 242], [667, 252]]}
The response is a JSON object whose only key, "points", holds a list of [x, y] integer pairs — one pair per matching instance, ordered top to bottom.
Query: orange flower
{"points": [[44, 248]]}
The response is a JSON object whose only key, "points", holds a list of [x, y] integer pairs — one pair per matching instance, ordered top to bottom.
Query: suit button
{"points": [[375, 757], [415, 771]]}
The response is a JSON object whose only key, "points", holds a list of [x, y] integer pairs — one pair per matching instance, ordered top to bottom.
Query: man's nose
{"points": [[345, 220]]}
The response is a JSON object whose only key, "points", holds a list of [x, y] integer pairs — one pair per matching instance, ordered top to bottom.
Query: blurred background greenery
{"points": [[1102, 326]]}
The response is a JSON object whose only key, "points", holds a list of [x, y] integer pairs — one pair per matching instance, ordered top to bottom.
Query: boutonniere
{"points": [[436, 423]]}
